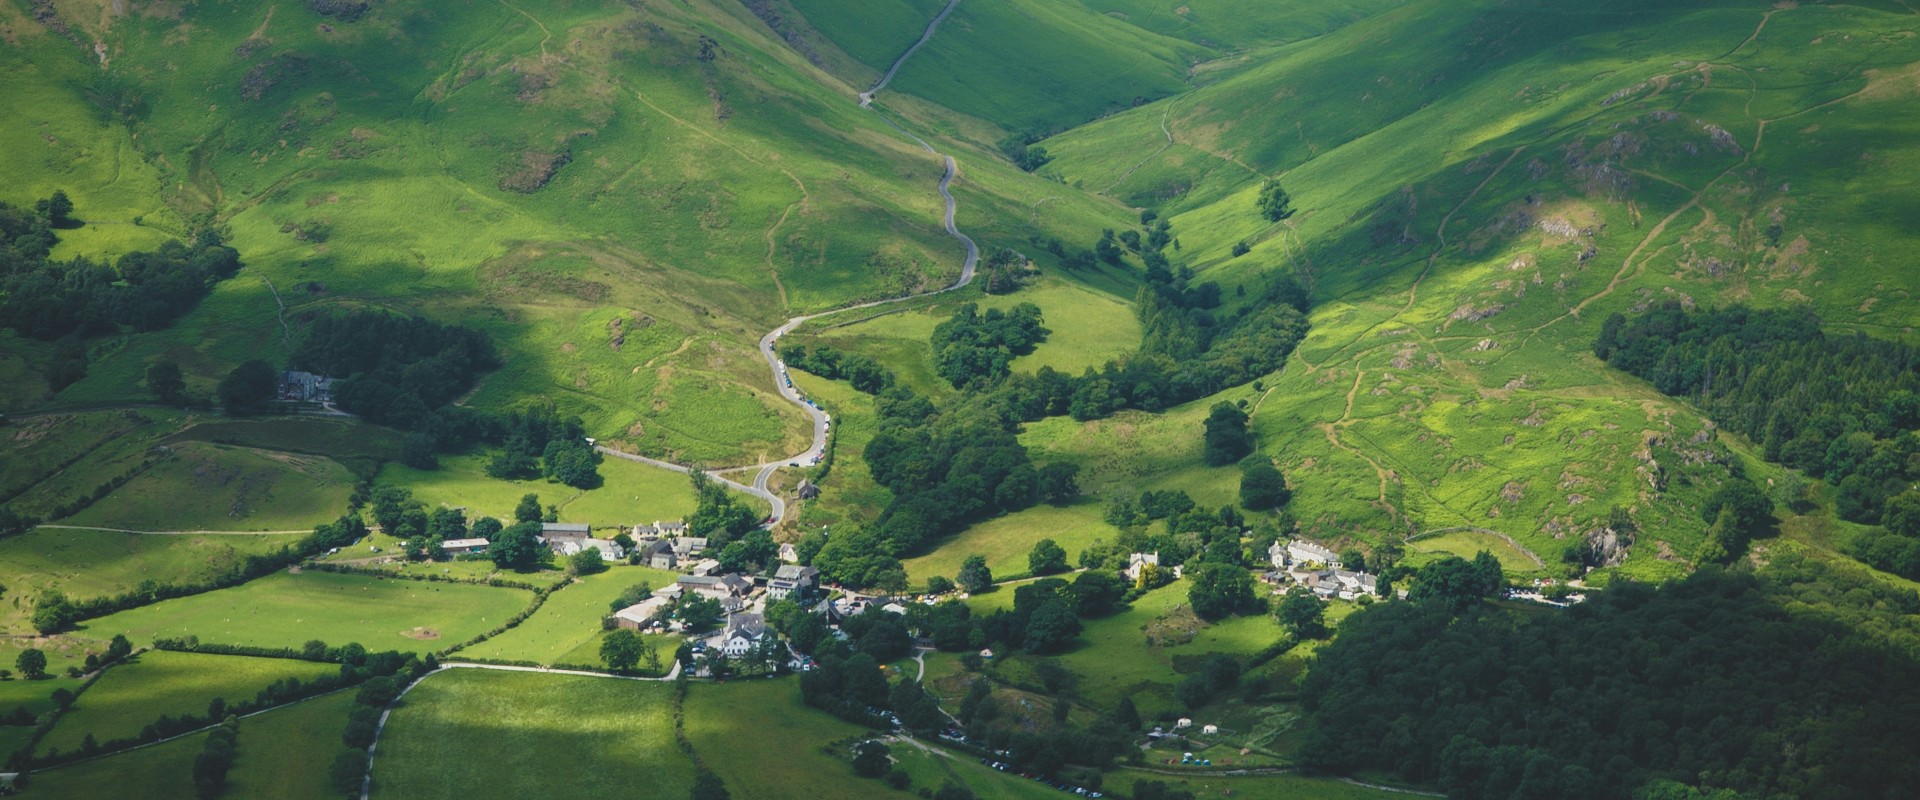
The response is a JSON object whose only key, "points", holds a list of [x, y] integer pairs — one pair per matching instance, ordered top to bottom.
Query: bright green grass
{"points": [[697, 203], [1089, 328], [359, 446], [203, 486], [633, 493], [1006, 541], [1466, 544], [90, 564], [288, 610], [569, 619], [156, 683], [37, 696], [735, 726], [541, 735], [283, 754]]}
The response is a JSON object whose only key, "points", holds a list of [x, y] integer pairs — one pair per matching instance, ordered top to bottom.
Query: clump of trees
{"points": [[1019, 149], [1274, 202], [145, 291], [971, 346], [392, 369], [866, 374], [1227, 438], [724, 519], [1709, 680]]}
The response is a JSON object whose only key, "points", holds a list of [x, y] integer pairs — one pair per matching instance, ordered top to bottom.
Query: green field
{"points": [[203, 486], [633, 494], [1006, 541], [1466, 544], [89, 564], [287, 610], [569, 620], [36, 696], [131, 696], [734, 726], [469, 733], [283, 754]]}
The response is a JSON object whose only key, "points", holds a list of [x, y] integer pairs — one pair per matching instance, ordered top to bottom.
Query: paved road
{"points": [[763, 472]]}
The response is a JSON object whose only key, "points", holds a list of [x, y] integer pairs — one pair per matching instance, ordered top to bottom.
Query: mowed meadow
{"points": [[288, 610]]}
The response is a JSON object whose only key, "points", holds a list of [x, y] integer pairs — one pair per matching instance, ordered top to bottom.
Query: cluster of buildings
{"points": [[304, 387], [1318, 569], [743, 599]]}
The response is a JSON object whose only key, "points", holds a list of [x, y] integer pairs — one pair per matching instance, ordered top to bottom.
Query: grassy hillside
{"points": [[1480, 190], [624, 197], [90, 564], [287, 610], [132, 696], [544, 735], [283, 753]]}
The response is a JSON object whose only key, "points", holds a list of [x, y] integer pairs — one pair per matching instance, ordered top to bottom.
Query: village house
{"points": [[305, 387], [676, 529], [553, 533], [461, 547], [686, 547], [609, 551], [1303, 552], [789, 553], [657, 554], [1137, 562], [705, 566], [790, 580], [729, 585], [744, 633]]}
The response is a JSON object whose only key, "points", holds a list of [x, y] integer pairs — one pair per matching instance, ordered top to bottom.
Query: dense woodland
{"points": [[391, 369], [1844, 407], [1801, 681]]}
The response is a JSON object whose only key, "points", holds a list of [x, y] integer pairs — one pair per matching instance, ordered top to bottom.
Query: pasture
{"points": [[205, 486], [633, 493], [1006, 541], [89, 564], [287, 610], [569, 620], [131, 696], [470, 733], [282, 754]]}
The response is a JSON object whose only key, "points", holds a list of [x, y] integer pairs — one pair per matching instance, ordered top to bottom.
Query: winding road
{"points": [[764, 472]]}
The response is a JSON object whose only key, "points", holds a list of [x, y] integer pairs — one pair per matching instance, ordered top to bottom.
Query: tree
{"points": [[1274, 203], [58, 210], [165, 382], [247, 386], [1227, 437], [420, 451], [572, 462], [1060, 482], [1262, 486], [528, 510], [447, 523], [485, 528], [519, 548], [1047, 558], [587, 562], [974, 577], [1453, 583], [939, 584], [1220, 590], [1097, 592], [53, 612], [699, 612], [1302, 614], [1051, 626], [118, 647], [622, 650], [32, 664], [871, 759], [348, 772], [708, 786]]}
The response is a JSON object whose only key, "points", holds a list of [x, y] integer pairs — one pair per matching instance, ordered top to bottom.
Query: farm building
{"points": [[461, 547]]}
